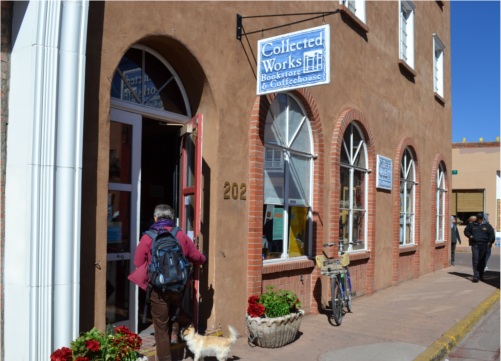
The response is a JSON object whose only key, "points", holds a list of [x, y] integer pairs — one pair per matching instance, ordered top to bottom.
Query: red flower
{"points": [[253, 300], [255, 310], [122, 329], [93, 345], [62, 354], [82, 358]]}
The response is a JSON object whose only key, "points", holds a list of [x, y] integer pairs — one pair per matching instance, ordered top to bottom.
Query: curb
{"points": [[441, 348]]}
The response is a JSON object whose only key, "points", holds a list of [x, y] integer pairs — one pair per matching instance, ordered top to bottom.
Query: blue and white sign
{"points": [[295, 60], [384, 172]]}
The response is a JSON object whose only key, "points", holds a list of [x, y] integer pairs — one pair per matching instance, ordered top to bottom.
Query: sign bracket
{"points": [[240, 28]]}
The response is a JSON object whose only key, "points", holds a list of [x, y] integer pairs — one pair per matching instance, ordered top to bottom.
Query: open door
{"points": [[191, 202], [123, 220]]}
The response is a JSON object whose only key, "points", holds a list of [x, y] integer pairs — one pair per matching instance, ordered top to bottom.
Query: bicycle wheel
{"points": [[347, 291], [336, 300]]}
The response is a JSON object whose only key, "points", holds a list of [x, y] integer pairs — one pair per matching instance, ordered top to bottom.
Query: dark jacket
{"points": [[479, 232], [455, 234]]}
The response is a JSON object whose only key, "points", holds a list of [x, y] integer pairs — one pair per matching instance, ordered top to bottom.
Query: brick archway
{"points": [[406, 143], [255, 188], [364, 279]]}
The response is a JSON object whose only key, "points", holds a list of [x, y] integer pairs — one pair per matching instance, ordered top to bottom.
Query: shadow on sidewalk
{"points": [[490, 277]]}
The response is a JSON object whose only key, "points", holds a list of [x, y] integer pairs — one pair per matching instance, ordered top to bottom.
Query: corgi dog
{"points": [[202, 346]]}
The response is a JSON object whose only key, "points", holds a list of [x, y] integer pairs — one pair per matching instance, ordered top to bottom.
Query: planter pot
{"points": [[273, 332]]}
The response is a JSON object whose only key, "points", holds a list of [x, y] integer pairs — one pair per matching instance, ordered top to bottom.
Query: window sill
{"points": [[354, 19], [406, 68], [439, 98], [440, 244], [407, 249], [360, 256], [287, 265]]}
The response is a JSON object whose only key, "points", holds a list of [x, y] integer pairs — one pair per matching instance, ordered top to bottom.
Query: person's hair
{"points": [[163, 211]]}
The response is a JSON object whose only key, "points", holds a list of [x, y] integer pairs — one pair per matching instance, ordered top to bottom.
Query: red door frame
{"points": [[195, 190]]}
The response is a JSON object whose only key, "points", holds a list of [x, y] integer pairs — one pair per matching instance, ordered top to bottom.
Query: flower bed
{"points": [[94, 345]]}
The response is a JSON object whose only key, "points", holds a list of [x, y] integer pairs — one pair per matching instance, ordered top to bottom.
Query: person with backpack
{"points": [[162, 271]]}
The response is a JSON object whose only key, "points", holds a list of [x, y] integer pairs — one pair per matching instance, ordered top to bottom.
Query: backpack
{"points": [[169, 269]]}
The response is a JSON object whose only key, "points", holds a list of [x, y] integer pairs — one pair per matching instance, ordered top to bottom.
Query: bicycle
{"points": [[340, 280]]}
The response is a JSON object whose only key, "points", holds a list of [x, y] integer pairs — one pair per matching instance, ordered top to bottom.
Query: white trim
{"points": [[357, 7], [406, 7], [438, 65], [148, 112], [43, 178], [134, 187]]}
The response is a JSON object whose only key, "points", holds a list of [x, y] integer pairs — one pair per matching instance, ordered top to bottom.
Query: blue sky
{"points": [[475, 32]]}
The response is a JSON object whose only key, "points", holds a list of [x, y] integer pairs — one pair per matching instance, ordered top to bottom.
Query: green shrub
{"points": [[279, 303]]}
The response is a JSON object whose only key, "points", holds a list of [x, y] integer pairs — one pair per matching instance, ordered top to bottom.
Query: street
{"points": [[482, 342]]}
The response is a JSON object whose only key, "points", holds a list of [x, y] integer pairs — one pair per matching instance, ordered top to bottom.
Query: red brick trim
{"points": [[344, 119], [405, 143], [256, 164], [438, 255], [287, 266]]}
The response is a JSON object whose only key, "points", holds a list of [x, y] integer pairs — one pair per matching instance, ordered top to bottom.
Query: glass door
{"points": [[123, 216]]}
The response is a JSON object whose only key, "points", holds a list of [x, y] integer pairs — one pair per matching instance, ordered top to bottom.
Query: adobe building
{"points": [[114, 107], [476, 182]]}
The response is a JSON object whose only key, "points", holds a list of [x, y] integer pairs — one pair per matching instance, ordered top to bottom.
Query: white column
{"points": [[69, 136], [42, 225]]}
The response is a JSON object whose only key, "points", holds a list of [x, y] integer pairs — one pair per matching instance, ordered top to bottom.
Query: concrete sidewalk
{"points": [[419, 319]]}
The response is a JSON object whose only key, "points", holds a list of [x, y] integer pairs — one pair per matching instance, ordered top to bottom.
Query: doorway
{"points": [[143, 172]]}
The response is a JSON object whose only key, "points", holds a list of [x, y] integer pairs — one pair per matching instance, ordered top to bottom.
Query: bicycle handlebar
{"points": [[338, 244]]}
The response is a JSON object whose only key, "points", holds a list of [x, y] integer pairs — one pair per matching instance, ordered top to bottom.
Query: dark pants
{"points": [[453, 252], [478, 255], [163, 306]]}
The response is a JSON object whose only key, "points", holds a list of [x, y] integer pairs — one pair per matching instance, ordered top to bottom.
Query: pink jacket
{"points": [[142, 258]]}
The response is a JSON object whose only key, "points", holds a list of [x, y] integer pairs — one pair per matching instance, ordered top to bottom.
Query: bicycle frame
{"points": [[340, 283]]}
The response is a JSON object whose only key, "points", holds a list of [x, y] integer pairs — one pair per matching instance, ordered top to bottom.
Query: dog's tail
{"points": [[233, 334]]}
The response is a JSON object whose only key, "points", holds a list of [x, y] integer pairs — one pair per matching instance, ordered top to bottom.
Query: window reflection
{"points": [[144, 79], [120, 153], [288, 168], [353, 189]]}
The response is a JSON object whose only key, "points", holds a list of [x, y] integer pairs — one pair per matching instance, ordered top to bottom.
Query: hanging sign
{"points": [[295, 60], [384, 172]]}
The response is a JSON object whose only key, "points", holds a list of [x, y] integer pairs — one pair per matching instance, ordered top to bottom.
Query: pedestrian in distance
{"points": [[486, 220], [481, 237], [454, 238], [164, 304]]}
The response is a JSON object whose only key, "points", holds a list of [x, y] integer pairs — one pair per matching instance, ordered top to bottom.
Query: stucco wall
{"points": [[198, 39], [477, 165]]}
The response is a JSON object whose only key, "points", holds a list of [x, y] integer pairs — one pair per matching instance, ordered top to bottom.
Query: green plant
{"points": [[273, 303], [94, 345]]}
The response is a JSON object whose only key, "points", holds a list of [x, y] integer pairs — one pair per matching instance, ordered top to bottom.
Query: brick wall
{"points": [[5, 69], [297, 276]]}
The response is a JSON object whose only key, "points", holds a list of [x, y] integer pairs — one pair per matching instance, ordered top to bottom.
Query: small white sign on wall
{"points": [[384, 172]]}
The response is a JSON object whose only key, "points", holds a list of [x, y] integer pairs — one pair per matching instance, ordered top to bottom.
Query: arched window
{"points": [[143, 78], [288, 172], [353, 188], [407, 198], [440, 205]]}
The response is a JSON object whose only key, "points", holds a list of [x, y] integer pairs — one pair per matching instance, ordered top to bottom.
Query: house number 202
{"points": [[233, 190]]}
